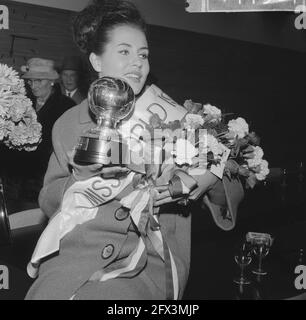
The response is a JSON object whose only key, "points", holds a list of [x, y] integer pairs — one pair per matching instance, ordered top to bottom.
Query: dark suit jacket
{"points": [[77, 97], [35, 163]]}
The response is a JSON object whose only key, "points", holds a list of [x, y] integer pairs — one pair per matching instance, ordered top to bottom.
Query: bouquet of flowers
{"points": [[19, 128], [204, 139]]}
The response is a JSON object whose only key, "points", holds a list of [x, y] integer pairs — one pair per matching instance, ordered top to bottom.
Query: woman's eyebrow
{"points": [[124, 44], [128, 45]]}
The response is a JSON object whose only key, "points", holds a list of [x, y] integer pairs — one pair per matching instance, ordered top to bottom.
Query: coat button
{"points": [[122, 214], [107, 251]]}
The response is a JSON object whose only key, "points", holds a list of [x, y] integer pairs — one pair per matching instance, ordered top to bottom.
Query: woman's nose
{"points": [[137, 61]]}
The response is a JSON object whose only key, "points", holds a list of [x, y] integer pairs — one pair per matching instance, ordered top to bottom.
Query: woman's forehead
{"points": [[127, 34]]}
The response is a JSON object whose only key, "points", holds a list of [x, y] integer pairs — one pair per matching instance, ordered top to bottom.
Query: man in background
{"points": [[70, 74]]}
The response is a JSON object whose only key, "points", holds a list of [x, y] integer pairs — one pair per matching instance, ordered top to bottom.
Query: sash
{"points": [[152, 101], [80, 204]]}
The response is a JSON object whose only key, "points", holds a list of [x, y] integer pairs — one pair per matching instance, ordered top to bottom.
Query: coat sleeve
{"points": [[58, 176], [223, 201]]}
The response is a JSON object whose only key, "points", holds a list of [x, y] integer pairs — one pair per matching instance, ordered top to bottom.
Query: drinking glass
{"points": [[260, 249], [243, 258]]}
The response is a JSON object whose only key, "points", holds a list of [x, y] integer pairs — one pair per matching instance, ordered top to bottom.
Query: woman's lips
{"points": [[135, 77]]}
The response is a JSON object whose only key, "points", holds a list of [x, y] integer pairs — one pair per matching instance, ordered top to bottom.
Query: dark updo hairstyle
{"points": [[92, 25]]}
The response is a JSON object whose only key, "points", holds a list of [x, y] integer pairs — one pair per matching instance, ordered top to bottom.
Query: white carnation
{"points": [[213, 111], [193, 121], [239, 127], [213, 145], [184, 152], [258, 155], [264, 170]]}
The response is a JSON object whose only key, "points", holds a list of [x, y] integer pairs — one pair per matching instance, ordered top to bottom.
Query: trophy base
{"points": [[92, 150]]}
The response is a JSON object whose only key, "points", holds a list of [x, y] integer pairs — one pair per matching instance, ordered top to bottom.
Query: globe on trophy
{"points": [[111, 100]]}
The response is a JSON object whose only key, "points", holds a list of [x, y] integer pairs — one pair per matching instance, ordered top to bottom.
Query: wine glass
{"points": [[260, 249], [243, 258]]}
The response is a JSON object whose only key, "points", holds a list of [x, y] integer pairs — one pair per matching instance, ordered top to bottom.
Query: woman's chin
{"points": [[136, 88]]}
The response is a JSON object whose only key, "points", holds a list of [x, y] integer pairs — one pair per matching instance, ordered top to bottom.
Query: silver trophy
{"points": [[111, 100]]}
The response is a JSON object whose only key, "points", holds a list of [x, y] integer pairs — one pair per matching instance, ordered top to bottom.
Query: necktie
{"points": [[69, 94]]}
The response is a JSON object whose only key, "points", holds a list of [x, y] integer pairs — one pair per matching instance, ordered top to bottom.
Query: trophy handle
{"points": [[99, 121]]}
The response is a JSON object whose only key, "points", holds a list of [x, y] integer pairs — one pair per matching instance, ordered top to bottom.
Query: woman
{"points": [[112, 33], [49, 104]]}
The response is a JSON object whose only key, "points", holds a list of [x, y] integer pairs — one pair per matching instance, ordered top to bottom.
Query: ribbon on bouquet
{"points": [[181, 184], [140, 203], [80, 204]]}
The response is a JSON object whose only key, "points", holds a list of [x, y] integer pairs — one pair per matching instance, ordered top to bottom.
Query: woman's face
{"points": [[125, 56], [40, 87]]}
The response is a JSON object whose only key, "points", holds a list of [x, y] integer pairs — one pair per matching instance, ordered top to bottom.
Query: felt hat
{"points": [[71, 63], [38, 68]]}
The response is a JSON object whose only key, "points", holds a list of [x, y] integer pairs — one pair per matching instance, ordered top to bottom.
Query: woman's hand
{"points": [[87, 171], [205, 183], [163, 196]]}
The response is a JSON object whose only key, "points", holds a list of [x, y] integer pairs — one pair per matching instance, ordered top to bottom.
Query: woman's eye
{"points": [[124, 52], [144, 56]]}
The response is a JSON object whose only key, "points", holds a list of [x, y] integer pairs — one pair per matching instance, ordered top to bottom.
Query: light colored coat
{"points": [[82, 251]]}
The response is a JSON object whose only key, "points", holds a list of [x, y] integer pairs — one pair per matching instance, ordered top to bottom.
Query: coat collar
{"points": [[84, 112]]}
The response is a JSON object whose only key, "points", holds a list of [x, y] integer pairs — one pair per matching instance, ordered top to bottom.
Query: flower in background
{"points": [[19, 128]]}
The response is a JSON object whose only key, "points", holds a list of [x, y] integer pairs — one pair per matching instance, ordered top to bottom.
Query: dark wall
{"points": [[35, 31], [261, 83]]}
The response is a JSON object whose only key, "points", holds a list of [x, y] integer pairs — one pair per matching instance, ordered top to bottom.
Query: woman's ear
{"points": [[95, 62]]}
